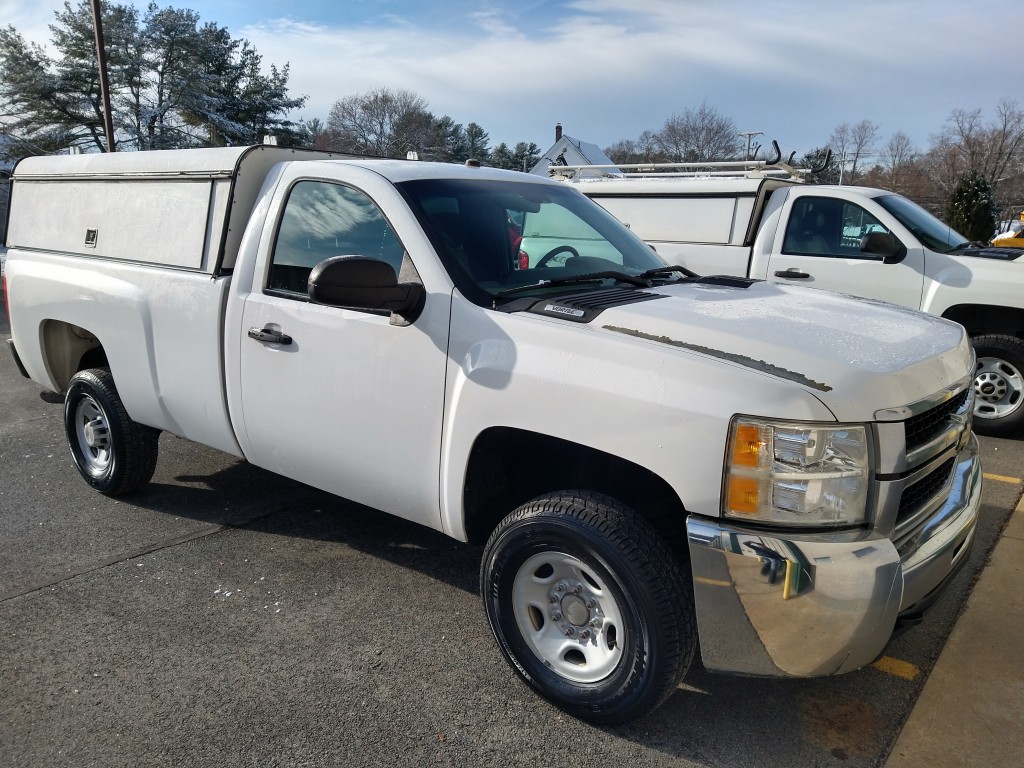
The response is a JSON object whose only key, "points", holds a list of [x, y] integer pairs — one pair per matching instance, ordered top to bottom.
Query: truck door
{"points": [[819, 246], [340, 399]]}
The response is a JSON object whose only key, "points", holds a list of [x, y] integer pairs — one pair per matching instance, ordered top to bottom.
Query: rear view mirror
{"points": [[885, 245], [357, 282]]}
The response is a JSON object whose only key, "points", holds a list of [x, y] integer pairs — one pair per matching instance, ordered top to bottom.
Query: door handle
{"points": [[792, 273], [270, 336]]}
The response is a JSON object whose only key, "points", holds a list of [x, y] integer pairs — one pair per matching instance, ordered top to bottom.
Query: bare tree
{"points": [[381, 122], [701, 135], [851, 144], [647, 146], [643, 149], [992, 149], [624, 151], [995, 151], [896, 159]]}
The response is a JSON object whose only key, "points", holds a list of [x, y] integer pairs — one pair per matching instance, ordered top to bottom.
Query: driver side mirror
{"points": [[885, 245], [358, 282]]}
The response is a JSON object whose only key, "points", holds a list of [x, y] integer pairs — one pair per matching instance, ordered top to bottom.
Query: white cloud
{"points": [[31, 19], [494, 22], [609, 69]]}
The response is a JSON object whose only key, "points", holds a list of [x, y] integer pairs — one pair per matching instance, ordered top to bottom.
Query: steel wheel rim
{"points": [[998, 388], [93, 435], [568, 617]]}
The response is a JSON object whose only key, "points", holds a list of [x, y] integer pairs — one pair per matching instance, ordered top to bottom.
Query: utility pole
{"points": [[101, 60], [750, 135]]}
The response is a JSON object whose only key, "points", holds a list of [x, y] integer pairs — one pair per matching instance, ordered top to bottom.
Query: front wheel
{"points": [[998, 385], [114, 454], [588, 605]]}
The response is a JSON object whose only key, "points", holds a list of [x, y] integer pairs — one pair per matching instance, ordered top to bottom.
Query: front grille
{"points": [[928, 425], [920, 458], [917, 495], [917, 503]]}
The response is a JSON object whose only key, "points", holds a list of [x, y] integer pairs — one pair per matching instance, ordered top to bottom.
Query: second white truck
{"points": [[760, 221], [651, 461]]}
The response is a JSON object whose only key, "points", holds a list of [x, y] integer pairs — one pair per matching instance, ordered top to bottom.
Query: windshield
{"points": [[932, 233], [494, 236]]}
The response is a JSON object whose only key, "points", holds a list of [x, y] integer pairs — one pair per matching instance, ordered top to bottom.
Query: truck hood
{"points": [[1007, 252], [855, 355]]}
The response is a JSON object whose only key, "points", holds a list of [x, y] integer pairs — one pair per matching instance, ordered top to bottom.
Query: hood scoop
{"points": [[1002, 254], [585, 306]]}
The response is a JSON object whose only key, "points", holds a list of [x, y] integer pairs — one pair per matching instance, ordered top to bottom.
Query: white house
{"points": [[569, 151]]}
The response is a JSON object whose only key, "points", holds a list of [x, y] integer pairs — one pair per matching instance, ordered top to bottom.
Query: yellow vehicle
{"points": [[1012, 236]]}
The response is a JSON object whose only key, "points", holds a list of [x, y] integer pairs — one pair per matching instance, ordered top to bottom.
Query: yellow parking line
{"points": [[1003, 479], [712, 582], [891, 666]]}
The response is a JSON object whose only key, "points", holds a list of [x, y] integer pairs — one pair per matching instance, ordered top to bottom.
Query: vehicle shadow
{"points": [[241, 495]]}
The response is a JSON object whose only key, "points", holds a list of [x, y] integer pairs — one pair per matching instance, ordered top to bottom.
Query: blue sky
{"points": [[610, 69]]}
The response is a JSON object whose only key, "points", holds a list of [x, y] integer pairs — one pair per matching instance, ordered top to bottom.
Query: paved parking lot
{"points": [[228, 617]]}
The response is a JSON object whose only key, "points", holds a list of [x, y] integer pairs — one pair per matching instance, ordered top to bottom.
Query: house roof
{"points": [[570, 151]]}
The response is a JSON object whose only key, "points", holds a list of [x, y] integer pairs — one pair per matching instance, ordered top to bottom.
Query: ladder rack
{"points": [[774, 167]]}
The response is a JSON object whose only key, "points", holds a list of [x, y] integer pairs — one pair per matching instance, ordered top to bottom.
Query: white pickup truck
{"points": [[758, 220], [786, 476]]}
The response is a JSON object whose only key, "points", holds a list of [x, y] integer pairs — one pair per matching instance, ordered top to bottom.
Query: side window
{"points": [[323, 219], [821, 226]]}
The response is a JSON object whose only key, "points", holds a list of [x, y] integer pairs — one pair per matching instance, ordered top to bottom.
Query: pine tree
{"points": [[173, 83], [477, 143], [501, 157], [972, 209]]}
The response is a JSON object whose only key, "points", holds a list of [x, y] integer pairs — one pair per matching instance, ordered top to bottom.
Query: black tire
{"points": [[999, 385], [114, 454], [582, 562]]}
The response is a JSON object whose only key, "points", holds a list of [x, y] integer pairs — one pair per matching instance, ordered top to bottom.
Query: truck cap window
{"points": [[493, 236]]}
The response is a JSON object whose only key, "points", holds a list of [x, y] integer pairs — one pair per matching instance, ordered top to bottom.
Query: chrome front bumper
{"points": [[799, 605]]}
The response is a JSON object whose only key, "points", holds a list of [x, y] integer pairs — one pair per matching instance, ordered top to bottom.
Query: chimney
{"points": [[558, 131]]}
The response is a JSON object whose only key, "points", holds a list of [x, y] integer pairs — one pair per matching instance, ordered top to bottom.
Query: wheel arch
{"points": [[980, 319], [68, 349], [509, 466]]}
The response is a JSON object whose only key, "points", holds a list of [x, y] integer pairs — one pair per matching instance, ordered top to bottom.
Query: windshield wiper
{"points": [[673, 268], [623, 277]]}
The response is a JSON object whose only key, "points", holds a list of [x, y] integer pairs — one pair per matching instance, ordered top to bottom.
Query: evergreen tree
{"points": [[173, 83], [446, 141], [477, 143], [525, 156], [501, 157], [815, 159], [972, 209]]}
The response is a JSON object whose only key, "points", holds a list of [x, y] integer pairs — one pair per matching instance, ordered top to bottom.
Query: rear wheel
{"points": [[998, 385], [114, 454], [588, 605]]}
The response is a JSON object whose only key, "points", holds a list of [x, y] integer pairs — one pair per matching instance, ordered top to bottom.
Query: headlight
{"points": [[790, 473]]}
